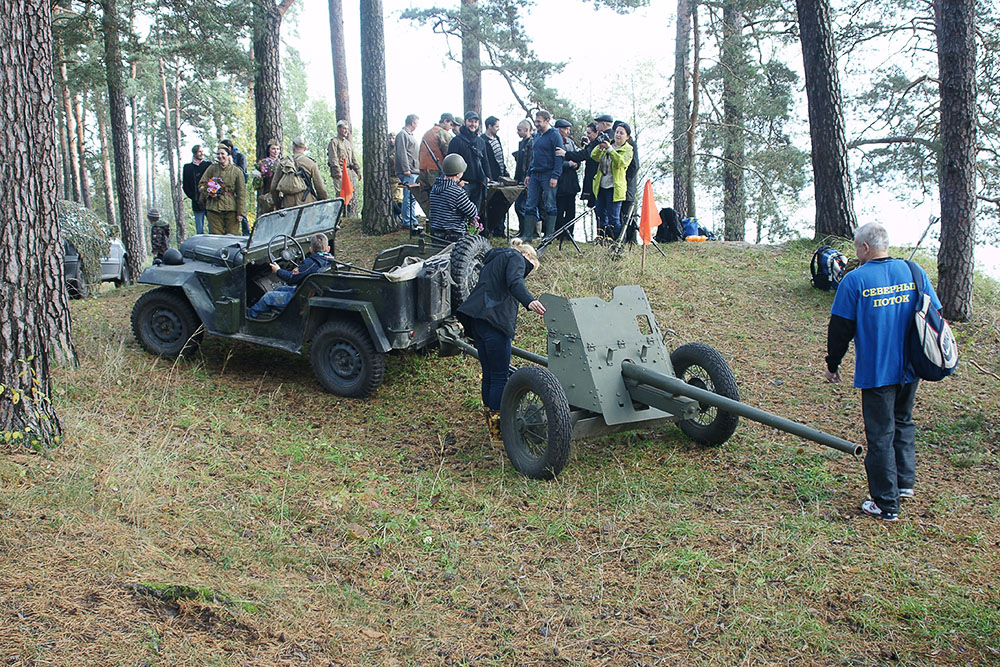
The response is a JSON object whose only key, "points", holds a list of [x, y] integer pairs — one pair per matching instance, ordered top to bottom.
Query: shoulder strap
{"points": [[917, 282]]}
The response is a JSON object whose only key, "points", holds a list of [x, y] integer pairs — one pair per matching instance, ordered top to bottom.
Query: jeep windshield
{"points": [[299, 222]]}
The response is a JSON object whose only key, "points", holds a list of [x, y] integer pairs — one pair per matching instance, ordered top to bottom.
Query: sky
{"points": [[638, 54]]}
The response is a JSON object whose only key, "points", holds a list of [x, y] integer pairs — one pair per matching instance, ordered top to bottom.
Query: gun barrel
{"points": [[678, 387]]}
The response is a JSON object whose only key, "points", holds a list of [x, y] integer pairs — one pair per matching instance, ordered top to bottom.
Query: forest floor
{"points": [[224, 510]]}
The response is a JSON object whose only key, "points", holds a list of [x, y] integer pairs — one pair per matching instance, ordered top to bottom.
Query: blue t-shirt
{"points": [[880, 297]]}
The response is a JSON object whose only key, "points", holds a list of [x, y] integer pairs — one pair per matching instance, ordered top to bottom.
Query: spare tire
{"points": [[466, 263]]}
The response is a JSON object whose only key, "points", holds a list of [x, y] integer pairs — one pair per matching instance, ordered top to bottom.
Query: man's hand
{"points": [[560, 152], [571, 164], [526, 178], [553, 182], [274, 267], [536, 307], [831, 377]]}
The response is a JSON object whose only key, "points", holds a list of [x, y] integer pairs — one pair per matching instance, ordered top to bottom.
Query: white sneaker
{"points": [[906, 493], [871, 509]]}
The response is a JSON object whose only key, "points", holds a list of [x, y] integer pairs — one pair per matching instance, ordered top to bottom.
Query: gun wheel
{"points": [[702, 366], [535, 422]]}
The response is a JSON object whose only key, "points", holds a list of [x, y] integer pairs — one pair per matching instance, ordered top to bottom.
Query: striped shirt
{"points": [[497, 152], [450, 206]]}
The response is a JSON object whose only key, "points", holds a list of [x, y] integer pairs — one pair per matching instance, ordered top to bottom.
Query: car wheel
{"points": [[466, 263], [126, 275], [77, 287], [165, 324], [345, 360], [702, 366], [535, 422]]}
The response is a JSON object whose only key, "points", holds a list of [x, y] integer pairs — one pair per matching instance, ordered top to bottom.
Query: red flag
{"points": [[346, 187], [649, 217]]}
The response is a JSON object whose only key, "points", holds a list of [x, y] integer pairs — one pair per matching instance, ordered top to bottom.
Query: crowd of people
{"points": [[456, 194]]}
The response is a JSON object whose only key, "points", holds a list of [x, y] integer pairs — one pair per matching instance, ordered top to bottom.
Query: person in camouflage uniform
{"points": [[159, 233]]}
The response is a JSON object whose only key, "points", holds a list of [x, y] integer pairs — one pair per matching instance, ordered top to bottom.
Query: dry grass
{"points": [[307, 529]]}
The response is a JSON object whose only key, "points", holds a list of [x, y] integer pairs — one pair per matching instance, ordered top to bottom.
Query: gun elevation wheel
{"points": [[345, 361], [702, 366], [534, 419]]}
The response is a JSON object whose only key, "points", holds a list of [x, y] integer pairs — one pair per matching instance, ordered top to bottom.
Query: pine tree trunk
{"points": [[956, 37], [733, 57], [267, 70], [472, 73], [340, 89], [134, 104], [682, 107], [80, 116], [168, 130], [177, 142], [74, 157], [150, 170], [831, 175], [65, 182], [109, 197], [692, 210], [376, 216], [131, 227], [34, 306]]}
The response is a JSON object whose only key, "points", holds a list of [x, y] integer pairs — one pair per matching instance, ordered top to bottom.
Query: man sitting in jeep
{"points": [[318, 259]]}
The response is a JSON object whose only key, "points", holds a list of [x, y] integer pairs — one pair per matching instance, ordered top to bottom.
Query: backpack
{"points": [[292, 180], [670, 227], [828, 267], [930, 344]]}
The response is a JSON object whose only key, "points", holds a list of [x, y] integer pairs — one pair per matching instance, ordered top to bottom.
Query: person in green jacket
{"points": [[610, 181], [223, 190]]}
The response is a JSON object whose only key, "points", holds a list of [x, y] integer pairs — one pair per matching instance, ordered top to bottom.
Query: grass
{"points": [[292, 527]]}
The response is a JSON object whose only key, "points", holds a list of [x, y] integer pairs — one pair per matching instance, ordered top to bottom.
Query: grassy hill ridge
{"points": [[223, 510]]}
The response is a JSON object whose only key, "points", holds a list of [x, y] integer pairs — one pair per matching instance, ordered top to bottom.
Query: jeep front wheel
{"points": [[165, 324], [345, 361]]}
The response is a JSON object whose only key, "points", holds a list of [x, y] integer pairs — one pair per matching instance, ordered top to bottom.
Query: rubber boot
{"points": [[548, 226], [528, 233], [494, 422]]}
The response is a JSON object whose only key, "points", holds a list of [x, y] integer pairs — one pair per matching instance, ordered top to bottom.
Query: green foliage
{"points": [[294, 98], [89, 234]]}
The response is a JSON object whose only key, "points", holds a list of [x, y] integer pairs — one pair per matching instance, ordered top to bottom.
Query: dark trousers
{"points": [[565, 211], [608, 212], [493, 347], [891, 459]]}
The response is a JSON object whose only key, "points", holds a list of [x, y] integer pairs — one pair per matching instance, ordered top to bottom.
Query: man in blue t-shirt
{"points": [[874, 305]]}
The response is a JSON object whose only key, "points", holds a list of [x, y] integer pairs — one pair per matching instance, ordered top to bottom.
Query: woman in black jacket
{"points": [[490, 313]]}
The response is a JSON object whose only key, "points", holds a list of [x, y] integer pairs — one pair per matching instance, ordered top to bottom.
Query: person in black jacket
{"points": [[472, 148], [522, 157], [590, 165], [190, 177], [569, 181], [490, 315]]}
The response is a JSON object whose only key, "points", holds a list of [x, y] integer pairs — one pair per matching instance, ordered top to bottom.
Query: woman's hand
{"points": [[605, 145], [560, 152], [536, 307]]}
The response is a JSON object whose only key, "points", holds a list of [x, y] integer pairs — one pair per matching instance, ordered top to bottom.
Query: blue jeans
{"points": [[540, 199], [608, 211], [409, 217], [199, 222], [275, 300], [493, 347], [891, 461]]}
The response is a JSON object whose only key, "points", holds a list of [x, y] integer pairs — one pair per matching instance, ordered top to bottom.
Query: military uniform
{"points": [[336, 152], [318, 192], [225, 211]]}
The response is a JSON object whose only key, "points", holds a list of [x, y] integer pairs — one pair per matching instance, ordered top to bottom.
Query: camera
{"points": [[604, 136]]}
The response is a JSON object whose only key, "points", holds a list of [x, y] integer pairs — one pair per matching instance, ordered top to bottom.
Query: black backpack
{"points": [[670, 227], [828, 266]]}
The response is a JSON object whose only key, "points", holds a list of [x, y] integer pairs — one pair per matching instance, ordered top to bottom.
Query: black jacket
{"points": [[473, 150], [522, 158], [590, 165], [497, 168], [631, 171], [190, 177], [569, 179], [501, 286]]}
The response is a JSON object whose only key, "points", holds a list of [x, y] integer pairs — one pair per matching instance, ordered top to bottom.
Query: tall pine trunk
{"points": [[956, 38], [733, 61], [267, 71], [472, 72], [340, 88], [682, 107], [80, 117], [134, 126], [72, 154], [172, 173], [831, 176], [66, 180], [109, 197], [692, 210], [376, 216], [131, 229], [34, 306]]}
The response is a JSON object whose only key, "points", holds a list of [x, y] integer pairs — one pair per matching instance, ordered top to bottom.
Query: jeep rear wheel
{"points": [[165, 324], [345, 361]]}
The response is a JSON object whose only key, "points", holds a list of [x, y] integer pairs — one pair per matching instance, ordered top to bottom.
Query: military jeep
{"points": [[349, 316]]}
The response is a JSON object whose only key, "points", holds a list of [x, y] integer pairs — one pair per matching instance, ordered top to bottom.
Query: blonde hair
{"points": [[525, 249]]}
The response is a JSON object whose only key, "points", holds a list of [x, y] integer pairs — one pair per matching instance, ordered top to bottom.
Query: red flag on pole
{"points": [[346, 187], [649, 217]]}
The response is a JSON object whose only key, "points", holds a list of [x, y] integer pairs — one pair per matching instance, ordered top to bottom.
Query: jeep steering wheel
{"points": [[291, 250]]}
